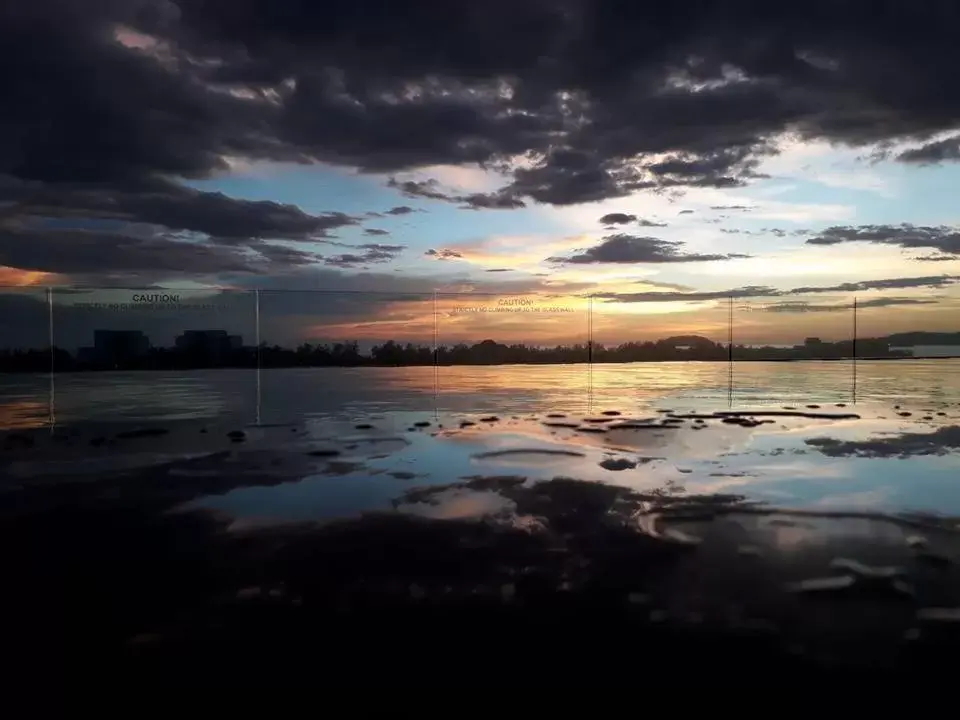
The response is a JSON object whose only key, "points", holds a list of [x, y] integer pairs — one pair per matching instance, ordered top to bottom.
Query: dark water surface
{"points": [[172, 525]]}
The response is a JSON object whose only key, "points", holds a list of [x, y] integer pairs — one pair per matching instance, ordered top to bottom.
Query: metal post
{"points": [[256, 297], [730, 353], [590, 354], [436, 369], [854, 386], [52, 390]]}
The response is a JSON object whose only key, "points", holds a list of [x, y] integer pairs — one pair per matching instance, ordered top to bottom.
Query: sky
{"points": [[407, 170]]}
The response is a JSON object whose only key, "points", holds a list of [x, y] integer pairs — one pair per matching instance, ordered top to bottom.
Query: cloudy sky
{"points": [[659, 158]]}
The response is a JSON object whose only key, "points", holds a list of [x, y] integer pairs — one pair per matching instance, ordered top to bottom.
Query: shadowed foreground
{"points": [[341, 555], [580, 582]]}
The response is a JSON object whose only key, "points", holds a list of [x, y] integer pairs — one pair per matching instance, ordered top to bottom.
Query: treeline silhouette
{"points": [[487, 352]]}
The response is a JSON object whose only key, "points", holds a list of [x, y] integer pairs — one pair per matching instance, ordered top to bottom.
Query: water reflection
{"points": [[291, 395], [27, 413], [646, 426], [941, 441], [330, 468], [459, 504], [653, 518], [492, 557]]}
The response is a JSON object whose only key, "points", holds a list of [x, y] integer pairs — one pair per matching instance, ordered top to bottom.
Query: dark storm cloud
{"points": [[573, 84], [600, 99], [106, 114], [933, 153], [726, 167], [568, 176], [431, 189], [491, 201], [172, 206], [742, 208], [401, 210], [685, 212], [617, 219], [624, 219], [373, 232], [95, 233], [941, 237], [380, 247], [622, 248], [91, 252], [372, 253], [443, 254], [282, 255], [935, 258], [347, 260], [499, 270], [931, 281], [378, 284], [753, 291], [703, 296], [887, 302], [805, 307]]}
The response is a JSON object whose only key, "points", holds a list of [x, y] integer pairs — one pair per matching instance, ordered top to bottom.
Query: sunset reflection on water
{"points": [[293, 394], [23, 414]]}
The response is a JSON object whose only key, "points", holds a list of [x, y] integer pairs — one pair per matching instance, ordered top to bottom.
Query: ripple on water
{"points": [[768, 464]]}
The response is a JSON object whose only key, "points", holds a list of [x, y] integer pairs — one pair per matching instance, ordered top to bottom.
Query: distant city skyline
{"points": [[290, 318], [217, 341], [110, 346], [131, 350]]}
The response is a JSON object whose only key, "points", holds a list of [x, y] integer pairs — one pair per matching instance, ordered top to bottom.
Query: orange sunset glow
{"points": [[14, 277], [565, 320]]}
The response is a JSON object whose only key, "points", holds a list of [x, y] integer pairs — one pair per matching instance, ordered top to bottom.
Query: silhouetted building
{"points": [[812, 341], [213, 345], [115, 347]]}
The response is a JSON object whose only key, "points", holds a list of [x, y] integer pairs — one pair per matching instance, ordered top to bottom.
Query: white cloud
{"points": [[835, 167], [467, 178], [857, 180], [802, 212], [809, 265]]}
